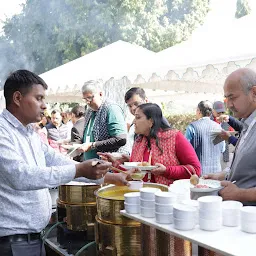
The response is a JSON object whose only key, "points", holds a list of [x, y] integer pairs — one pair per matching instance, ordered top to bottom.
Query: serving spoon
{"points": [[194, 179]]}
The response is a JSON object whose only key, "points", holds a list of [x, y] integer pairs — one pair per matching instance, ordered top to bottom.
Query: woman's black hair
{"points": [[205, 107], [153, 111]]}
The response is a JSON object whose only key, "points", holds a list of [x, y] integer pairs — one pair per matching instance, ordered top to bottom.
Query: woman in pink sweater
{"points": [[161, 146]]}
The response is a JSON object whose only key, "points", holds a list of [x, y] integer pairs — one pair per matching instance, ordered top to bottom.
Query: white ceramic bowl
{"points": [[135, 184], [148, 193], [180, 193], [165, 197], [132, 198], [190, 202], [147, 203], [210, 203], [231, 205], [132, 208], [164, 208], [147, 212], [186, 212], [231, 213], [248, 213], [210, 215], [164, 218], [230, 220], [182, 224], [210, 225], [248, 226]]}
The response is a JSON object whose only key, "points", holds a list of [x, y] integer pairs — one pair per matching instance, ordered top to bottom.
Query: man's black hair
{"points": [[22, 81], [133, 91]]}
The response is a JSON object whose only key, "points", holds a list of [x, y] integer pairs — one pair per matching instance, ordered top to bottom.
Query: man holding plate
{"points": [[240, 93]]}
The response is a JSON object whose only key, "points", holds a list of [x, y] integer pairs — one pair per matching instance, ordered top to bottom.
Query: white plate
{"points": [[132, 165], [214, 185]]}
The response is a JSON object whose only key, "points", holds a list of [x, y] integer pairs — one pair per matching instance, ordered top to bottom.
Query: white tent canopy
{"points": [[115, 60]]}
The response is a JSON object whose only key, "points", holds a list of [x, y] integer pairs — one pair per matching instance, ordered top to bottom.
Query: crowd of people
{"points": [[33, 158]]}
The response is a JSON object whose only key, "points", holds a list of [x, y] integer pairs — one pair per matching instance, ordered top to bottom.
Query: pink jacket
{"points": [[177, 151]]}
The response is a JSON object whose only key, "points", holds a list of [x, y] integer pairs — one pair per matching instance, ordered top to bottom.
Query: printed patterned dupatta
{"points": [[167, 158]]}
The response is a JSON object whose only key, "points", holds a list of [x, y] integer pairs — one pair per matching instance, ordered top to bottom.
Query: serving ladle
{"points": [[194, 179]]}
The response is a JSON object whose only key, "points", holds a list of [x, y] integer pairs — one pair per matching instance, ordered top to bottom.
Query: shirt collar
{"points": [[249, 119], [16, 123]]}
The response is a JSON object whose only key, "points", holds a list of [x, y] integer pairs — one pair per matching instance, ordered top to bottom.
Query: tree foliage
{"points": [[242, 8], [49, 33]]}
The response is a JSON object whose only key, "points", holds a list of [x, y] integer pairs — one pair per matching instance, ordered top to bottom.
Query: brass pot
{"points": [[78, 193], [110, 200], [79, 217], [117, 240]]}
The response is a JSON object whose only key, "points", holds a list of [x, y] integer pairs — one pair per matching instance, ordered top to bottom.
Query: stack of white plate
{"points": [[132, 202], [147, 202], [164, 207], [210, 212], [231, 213], [184, 216], [248, 219]]}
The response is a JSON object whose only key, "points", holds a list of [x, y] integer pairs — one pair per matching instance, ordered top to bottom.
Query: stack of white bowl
{"points": [[181, 188], [132, 202], [147, 202], [195, 204], [164, 207], [210, 212], [231, 213], [184, 217], [248, 219]]}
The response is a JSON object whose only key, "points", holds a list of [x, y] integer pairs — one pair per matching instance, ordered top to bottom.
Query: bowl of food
{"points": [[138, 175]]}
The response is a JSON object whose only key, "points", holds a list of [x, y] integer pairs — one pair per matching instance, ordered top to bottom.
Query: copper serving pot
{"points": [[78, 193], [110, 200]]}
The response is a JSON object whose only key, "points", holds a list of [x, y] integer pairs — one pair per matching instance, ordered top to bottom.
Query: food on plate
{"points": [[144, 164], [201, 186]]}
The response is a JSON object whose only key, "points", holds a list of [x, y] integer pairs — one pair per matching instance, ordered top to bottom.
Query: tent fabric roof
{"points": [[233, 40], [115, 60]]}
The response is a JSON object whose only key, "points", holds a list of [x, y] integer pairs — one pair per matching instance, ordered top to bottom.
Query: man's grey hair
{"points": [[248, 80], [93, 86]]}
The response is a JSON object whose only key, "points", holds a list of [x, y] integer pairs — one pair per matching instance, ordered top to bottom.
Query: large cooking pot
{"points": [[78, 193], [110, 200], [77, 202], [79, 217], [121, 240]]}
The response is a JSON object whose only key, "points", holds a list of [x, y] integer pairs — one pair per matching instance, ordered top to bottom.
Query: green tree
{"points": [[242, 8], [49, 33]]}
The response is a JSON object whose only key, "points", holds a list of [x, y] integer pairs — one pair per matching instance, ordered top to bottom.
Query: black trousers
{"points": [[21, 247]]}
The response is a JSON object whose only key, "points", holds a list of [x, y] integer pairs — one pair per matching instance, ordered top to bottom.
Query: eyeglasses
{"points": [[89, 99]]}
